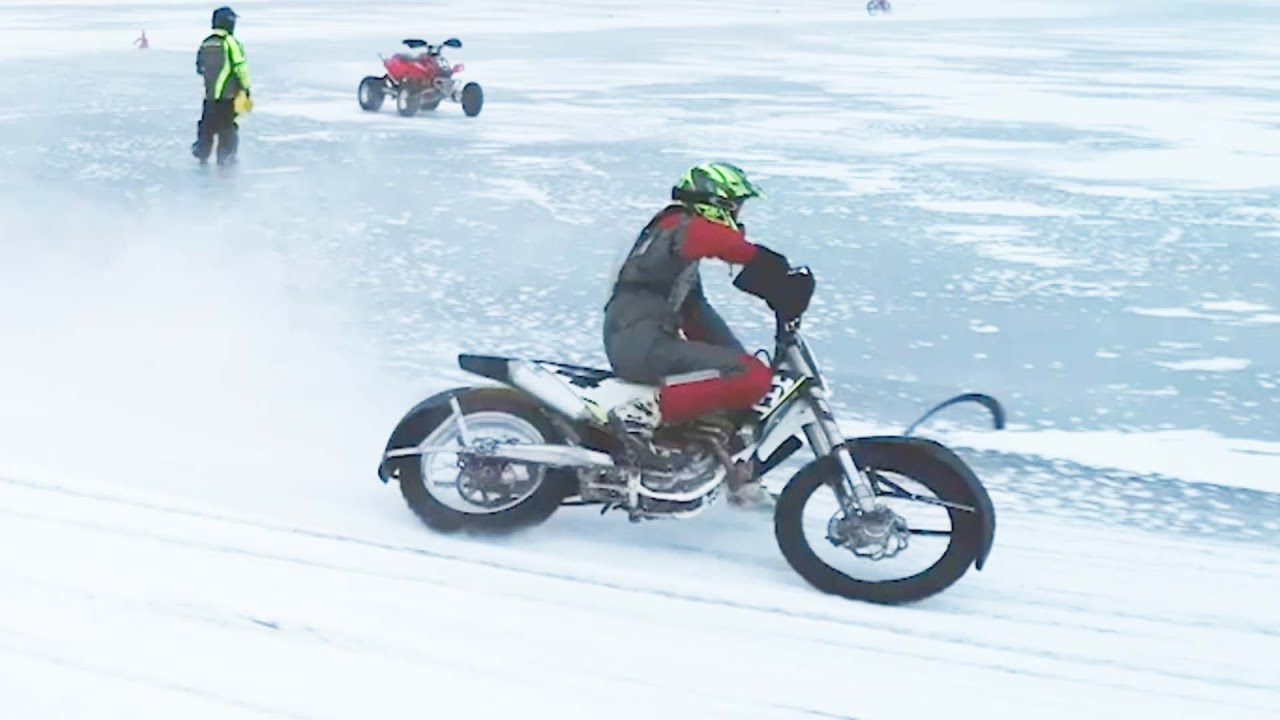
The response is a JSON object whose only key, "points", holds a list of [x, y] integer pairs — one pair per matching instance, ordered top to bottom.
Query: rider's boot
{"points": [[634, 422], [746, 491], [752, 495]]}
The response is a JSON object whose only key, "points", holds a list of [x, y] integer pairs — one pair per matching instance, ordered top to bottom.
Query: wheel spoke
{"points": [[480, 484], [898, 491]]}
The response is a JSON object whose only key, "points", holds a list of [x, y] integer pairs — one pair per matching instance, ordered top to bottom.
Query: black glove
{"points": [[765, 275], [769, 277], [793, 300]]}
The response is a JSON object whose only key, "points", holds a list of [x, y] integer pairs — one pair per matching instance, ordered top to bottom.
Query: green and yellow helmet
{"points": [[716, 191]]}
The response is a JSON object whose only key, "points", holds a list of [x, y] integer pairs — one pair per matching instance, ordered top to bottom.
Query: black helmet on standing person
{"points": [[224, 18]]}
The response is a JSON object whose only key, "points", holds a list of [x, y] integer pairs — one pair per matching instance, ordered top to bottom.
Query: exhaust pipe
{"points": [[550, 390]]}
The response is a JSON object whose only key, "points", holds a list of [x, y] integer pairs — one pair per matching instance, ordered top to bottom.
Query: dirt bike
{"points": [[420, 82], [502, 457]]}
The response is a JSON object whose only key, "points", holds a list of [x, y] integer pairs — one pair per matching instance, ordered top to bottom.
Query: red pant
{"points": [[688, 396]]}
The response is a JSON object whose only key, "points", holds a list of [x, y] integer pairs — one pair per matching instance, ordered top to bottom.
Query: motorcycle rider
{"points": [[220, 60], [660, 330]]}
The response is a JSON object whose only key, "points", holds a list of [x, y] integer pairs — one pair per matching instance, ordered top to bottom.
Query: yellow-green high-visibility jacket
{"points": [[221, 61]]}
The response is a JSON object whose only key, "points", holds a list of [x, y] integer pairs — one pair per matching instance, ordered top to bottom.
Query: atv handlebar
{"points": [[417, 43]]}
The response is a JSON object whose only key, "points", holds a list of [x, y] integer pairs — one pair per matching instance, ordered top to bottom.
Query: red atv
{"points": [[420, 81]]}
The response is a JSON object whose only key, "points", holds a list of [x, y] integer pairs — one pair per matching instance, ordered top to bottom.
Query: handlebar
{"points": [[787, 326]]}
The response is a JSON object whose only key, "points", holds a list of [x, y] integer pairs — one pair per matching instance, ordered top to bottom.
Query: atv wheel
{"points": [[371, 93], [472, 99], [407, 102], [449, 492]]}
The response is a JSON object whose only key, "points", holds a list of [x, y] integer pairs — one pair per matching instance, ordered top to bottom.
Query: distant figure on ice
{"points": [[142, 41], [220, 60]]}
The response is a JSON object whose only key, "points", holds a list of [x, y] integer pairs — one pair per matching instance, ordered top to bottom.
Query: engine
{"points": [[701, 469], [683, 492]]}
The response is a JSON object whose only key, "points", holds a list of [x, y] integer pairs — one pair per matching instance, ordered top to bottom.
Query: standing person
{"points": [[220, 60]]}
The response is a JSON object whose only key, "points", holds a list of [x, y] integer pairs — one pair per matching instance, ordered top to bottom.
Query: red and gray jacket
{"points": [[659, 282]]}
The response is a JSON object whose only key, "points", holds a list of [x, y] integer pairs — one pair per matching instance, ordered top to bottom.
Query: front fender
{"points": [[978, 496]]}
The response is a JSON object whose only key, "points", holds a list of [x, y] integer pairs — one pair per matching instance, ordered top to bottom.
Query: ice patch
{"points": [[857, 181], [1130, 192], [1002, 208], [1263, 214], [961, 233], [995, 242], [1028, 255], [1235, 306], [1169, 312], [1231, 312], [1215, 364], [1166, 391], [1198, 456]]}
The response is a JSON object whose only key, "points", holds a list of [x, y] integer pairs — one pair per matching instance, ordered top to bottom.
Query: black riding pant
{"points": [[218, 120]]}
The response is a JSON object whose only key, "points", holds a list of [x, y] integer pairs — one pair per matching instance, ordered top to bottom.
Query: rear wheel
{"points": [[371, 93], [472, 99], [407, 102], [452, 492], [928, 498]]}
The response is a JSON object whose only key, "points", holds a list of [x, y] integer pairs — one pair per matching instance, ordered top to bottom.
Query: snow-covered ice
{"points": [[1071, 205]]}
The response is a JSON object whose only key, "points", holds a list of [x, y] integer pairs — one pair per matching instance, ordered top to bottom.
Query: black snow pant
{"points": [[218, 120]]}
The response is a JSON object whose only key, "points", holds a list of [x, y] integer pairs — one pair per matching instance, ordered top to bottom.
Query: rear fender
{"points": [[489, 366], [426, 414], [424, 418], [978, 496]]}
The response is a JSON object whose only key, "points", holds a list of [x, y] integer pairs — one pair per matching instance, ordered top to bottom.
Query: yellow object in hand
{"points": [[243, 103]]}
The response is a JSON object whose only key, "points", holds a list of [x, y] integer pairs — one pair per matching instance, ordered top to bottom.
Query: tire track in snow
{"points": [[344, 639], [27, 646], [1016, 664]]}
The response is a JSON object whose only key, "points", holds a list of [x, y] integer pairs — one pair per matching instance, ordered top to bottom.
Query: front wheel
{"points": [[472, 99], [407, 102], [451, 491], [933, 513]]}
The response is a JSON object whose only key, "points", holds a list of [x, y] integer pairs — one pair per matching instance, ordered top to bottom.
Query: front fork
{"points": [[826, 438]]}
